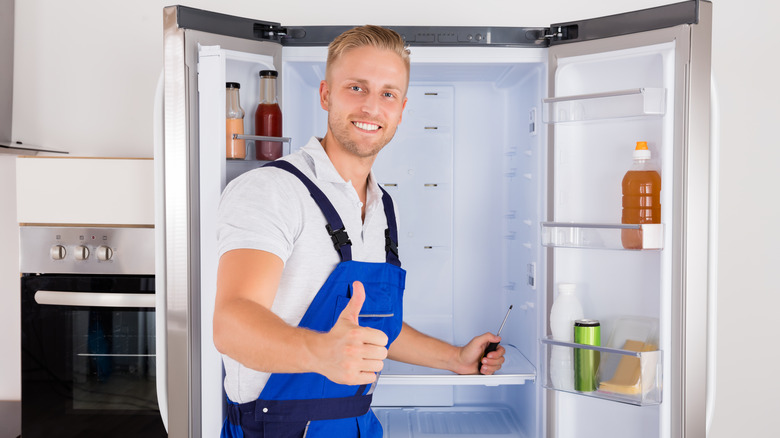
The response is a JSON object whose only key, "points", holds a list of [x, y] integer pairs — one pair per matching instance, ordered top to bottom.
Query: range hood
{"points": [[7, 85]]}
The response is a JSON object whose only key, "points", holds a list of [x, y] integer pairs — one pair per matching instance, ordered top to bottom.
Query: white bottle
{"points": [[565, 310]]}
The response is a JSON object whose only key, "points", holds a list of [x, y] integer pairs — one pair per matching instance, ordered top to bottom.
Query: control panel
{"points": [[94, 250]]}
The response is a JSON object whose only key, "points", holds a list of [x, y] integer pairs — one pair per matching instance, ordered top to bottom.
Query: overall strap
{"points": [[335, 227], [391, 233]]}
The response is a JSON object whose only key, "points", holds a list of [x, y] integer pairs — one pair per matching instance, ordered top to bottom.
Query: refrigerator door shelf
{"points": [[637, 102], [262, 138], [236, 167], [600, 236], [517, 370], [631, 375], [464, 421]]}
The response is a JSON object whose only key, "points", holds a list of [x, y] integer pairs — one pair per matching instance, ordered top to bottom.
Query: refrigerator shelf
{"points": [[636, 102], [602, 236], [517, 370], [631, 375], [465, 421]]}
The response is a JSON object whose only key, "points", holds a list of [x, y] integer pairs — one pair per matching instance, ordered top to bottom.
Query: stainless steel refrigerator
{"points": [[507, 173]]}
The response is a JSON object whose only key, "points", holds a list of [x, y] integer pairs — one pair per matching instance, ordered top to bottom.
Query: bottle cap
{"points": [[269, 73], [232, 85], [641, 152], [566, 288]]}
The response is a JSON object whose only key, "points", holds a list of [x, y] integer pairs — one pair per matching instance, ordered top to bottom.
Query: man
{"points": [[304, 328]]}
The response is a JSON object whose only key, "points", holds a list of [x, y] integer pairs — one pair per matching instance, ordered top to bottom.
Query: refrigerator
{"points": [[506, 171]]}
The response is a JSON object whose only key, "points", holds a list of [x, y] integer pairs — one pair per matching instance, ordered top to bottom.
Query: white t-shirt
{"points": [[271, 210]]}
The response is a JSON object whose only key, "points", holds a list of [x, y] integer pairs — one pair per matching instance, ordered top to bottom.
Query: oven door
{"points": [[88, 356]]}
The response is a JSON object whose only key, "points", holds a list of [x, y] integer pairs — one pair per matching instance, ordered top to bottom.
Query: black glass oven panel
{"points": [[88, 371]]}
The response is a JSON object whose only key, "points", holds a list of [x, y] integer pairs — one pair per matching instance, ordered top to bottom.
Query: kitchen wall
{"points": [[85, 73]]}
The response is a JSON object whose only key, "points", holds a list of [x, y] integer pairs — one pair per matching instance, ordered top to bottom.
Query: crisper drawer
{"points": [[464, 421]]}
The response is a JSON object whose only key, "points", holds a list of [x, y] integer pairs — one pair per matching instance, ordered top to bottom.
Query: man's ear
{"points": [[324, 94], [402, 110]]}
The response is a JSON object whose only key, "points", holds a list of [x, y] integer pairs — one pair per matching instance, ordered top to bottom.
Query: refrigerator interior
{"points": [[468, 169]]}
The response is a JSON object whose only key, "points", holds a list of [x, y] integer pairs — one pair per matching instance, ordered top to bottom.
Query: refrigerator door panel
{"points": [[216, 66], [194, 116], [590, 149]]}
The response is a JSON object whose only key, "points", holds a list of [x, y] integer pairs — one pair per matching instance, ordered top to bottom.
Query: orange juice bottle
{"points": [[235, 149], [641, 197]]}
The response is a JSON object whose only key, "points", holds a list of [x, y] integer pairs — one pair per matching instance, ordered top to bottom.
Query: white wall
{"points": [[85, 72]]}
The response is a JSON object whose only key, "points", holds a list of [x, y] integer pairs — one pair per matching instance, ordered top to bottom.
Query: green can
{"points": [[586, 362]]}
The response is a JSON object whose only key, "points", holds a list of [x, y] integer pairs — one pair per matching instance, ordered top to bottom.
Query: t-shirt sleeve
{"points": [[259, 210]]}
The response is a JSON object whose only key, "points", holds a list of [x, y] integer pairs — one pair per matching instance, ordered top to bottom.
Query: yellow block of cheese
{"points": [[628, 375]]}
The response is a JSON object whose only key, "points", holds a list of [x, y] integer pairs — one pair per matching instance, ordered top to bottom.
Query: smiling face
{"points": [[364, 93]]}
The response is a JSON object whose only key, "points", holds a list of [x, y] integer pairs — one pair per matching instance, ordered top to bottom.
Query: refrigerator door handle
{"points": [[159, 256], [712, 280]]}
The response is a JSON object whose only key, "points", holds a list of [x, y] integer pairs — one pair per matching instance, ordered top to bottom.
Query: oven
{"points": [[88, 332]]}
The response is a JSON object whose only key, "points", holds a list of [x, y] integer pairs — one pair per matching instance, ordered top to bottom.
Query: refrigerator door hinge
{"points": [[273, 32], [561, 33]]}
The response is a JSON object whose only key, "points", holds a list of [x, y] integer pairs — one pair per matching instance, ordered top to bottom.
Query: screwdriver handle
{"points": [[491, 347]]}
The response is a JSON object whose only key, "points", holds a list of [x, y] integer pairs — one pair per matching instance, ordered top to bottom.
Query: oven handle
{"points": [[93, 299]]}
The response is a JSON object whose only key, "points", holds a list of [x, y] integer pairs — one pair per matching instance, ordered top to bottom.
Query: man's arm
{"points": [[246, 330], [417, 348]]}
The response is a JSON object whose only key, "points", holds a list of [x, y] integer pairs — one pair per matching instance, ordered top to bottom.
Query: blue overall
{"points": [[309, 404]]}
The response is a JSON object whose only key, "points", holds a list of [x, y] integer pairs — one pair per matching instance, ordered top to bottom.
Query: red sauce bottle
{"points": [[268, 118]]}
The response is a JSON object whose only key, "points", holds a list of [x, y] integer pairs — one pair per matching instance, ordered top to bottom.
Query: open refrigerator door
{"points": [[641, 281]]}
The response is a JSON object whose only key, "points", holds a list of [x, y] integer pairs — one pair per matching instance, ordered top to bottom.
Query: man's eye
{"points": [[355, 88], [389, 94]]}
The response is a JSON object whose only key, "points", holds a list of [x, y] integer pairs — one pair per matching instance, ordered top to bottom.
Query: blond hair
{"points": [[368, 35]]}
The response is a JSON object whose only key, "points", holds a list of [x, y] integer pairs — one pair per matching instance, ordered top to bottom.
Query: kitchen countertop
{"points": [[10, 419]]}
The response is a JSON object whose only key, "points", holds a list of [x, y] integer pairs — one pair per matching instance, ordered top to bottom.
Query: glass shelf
{"points": [[635, 102], [602, 236], [517, 370], [631, 375]]}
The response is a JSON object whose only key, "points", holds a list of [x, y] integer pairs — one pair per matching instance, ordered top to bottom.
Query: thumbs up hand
{"points": [[350, 354]]}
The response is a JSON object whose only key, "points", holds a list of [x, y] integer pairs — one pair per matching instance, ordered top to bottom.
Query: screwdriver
{"points": [[494, 345]]}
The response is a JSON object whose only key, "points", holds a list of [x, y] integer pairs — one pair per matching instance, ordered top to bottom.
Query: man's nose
{"points": [[371, 103]]}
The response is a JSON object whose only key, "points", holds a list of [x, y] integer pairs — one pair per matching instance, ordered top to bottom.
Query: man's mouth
{"points": [[366, 126]]}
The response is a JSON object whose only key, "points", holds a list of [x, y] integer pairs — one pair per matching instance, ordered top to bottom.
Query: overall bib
{"points": [[308, 404]]}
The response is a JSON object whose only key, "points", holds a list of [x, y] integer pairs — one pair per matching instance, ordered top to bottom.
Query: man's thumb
{"points": [[352, 311]]}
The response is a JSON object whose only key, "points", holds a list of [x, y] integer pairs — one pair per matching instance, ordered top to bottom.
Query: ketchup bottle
{"points": [[268, 118]]}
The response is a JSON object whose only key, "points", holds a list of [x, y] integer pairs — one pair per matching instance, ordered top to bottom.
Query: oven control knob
{"points": [[57, 252], [82, 252], [104, 253]]}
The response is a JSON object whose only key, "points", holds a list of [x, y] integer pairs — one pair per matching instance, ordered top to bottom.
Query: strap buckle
{"points": [[339, 237], [390, 246]]}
